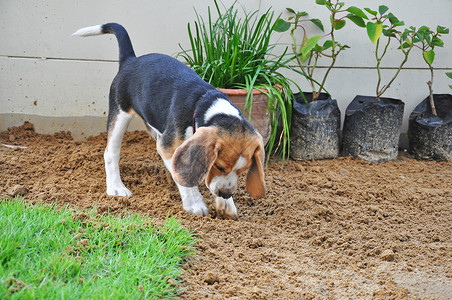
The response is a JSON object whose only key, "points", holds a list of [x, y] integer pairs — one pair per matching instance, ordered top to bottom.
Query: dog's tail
{"points": [[124, 43]]}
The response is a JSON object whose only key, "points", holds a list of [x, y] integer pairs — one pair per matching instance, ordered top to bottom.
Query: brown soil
{"points": [[340, 228]]}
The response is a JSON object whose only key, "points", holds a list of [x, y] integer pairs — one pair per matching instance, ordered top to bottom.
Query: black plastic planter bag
{"points": [[371, 129], [315, 132], [430, 136]]}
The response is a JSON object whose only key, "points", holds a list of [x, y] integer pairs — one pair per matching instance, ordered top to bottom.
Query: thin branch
{"points": [[398, 71], [430, 88], [378, 91]]}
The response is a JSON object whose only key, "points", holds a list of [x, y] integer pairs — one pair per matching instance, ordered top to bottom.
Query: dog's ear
{"points": [[193, 159], [255, 180]]}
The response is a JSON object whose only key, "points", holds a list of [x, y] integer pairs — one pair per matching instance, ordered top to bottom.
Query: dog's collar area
{"points": [[194, 122]]}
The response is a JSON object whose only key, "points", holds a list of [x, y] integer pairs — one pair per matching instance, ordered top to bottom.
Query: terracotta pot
{"points": [[260, 119]]}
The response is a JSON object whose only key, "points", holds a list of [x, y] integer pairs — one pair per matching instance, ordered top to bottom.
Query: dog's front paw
{"points": [[118, 190], [192, 201], [198, 208], [226, 208]]}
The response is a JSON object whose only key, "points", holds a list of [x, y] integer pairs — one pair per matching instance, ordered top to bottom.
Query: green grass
{"points": [[53, 253]]}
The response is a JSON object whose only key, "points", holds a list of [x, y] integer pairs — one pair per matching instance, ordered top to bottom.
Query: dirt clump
{"points": [[17, 190], [341, 228]]}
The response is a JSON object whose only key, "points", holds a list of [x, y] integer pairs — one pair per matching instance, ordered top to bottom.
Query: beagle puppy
{"points": [[200, 134]]}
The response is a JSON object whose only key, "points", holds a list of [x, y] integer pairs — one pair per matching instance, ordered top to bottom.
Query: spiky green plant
{"points": [[235, 51]]}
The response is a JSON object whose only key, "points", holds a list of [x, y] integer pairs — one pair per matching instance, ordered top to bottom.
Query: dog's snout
{"points": [[225, 195]]}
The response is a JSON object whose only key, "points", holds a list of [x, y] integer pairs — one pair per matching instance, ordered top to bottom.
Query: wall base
{"points": [[80, 127]]}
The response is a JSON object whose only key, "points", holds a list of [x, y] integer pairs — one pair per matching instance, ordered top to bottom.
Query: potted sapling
{"points": [[372, 123], [430, 123], [315, 132]]}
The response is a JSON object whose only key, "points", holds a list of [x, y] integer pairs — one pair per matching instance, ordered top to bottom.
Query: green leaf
{"points": [[320, 2], [328, 5], [382, 9], [290, 10], [357, 12], [372, 12], [302, 14], [357, 20], [394, 20], [318, 23], [339, 24], [397, 24], [281, 25], [424, 29], [442, 30], [374, 31], [389, 32], [404, 35], [420, 35], [436, 41], [310, 43], [328, 44], [405, 45], [318, 48], [429, 56], [303, 58], [449, 74], [450, 87]]}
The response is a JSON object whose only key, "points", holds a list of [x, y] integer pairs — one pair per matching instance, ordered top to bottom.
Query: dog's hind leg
{"points": [[118, 121]]}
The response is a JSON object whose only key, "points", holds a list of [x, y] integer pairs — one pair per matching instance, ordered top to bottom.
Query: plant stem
{"points": [[295, 50], [333, 58], [379, 59], [308, 70], [378, 70], [430, 87], [315, 94]]}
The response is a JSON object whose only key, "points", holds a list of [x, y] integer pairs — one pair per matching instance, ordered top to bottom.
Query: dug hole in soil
{"points": [[341, 228]]}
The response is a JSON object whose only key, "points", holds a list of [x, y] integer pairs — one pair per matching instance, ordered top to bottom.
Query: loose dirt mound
{"points": [[340, 228]]}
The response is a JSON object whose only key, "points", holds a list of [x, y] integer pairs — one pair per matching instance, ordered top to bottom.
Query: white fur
{"points": [[89, 31], [221, 106], [153, 132], [188, 133], [241, 162], [227, 182], [115, 187], [192, 200], [226, 207]]}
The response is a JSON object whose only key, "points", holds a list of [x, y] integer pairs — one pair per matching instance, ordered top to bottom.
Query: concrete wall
{"points": [[61, 82]]}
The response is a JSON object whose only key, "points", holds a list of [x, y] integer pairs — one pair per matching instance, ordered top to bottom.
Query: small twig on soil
{"points": [[14, 147]]}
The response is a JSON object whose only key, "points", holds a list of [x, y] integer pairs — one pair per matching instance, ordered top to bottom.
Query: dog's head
{"points": [[219, 158]]}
